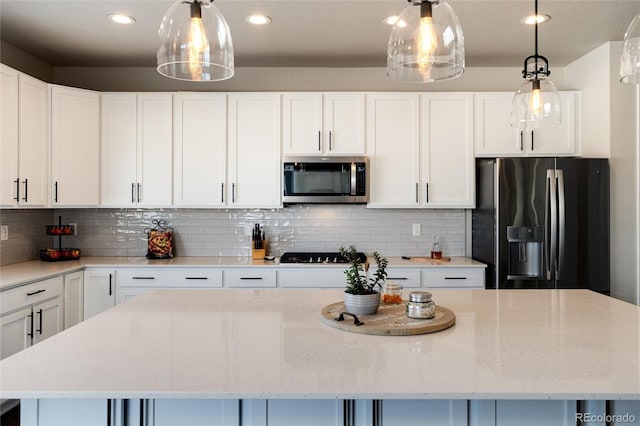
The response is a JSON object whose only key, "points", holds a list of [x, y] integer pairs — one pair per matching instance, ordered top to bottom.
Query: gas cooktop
{"points": [[317, 257]]}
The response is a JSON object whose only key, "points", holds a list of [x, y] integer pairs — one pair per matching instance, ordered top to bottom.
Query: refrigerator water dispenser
{"points": [[525, 252]]}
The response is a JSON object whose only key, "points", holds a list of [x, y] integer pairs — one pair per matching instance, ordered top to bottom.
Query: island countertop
{"points": [[507, 344]]}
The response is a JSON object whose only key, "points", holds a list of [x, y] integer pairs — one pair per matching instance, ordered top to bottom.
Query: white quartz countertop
{"points": [[25, 272], [507, 344]]}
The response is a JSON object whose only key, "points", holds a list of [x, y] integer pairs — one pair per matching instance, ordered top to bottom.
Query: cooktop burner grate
{"points": [[317, 257]]}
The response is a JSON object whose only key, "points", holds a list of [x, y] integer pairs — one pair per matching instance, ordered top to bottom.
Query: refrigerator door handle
{"points": [[561, 223], [550, 225]]}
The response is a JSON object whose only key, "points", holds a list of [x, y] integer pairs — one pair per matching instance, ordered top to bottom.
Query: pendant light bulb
{"points": [[427, 39], [197, 41], [535, 103]]}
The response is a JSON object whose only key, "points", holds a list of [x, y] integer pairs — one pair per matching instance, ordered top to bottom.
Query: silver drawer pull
{"points": [[144, 278], [196, 278], [250, 278], [455, 278], [36, 292]]}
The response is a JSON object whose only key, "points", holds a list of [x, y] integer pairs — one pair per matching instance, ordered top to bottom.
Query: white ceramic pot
{"points": [[361, 304]]}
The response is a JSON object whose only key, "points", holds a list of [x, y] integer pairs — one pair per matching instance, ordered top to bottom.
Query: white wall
{"points": [[610, 119]]}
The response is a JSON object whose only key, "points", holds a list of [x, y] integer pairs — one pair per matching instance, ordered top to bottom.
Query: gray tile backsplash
{"points": [[206, 232], [26, 234]]}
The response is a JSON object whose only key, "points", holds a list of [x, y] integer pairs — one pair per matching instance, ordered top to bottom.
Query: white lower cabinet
{"points": [[250, 277], [311, 277], [453, 278], [99, 290], [73, 298], [30, 314]]}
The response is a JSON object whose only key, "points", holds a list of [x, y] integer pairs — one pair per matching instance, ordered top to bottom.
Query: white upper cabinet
{"points": [[24, 118], [323, 124], [494, 135], [393, 146], [75, 147], [420, 148], [136, 149], [200, 149], [447, 160], [254, 163]]}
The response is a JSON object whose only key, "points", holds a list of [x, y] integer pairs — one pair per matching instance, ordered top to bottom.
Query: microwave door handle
{"points": [[353, 178]]}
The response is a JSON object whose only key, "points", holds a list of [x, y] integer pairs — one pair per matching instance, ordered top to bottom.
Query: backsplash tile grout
{"points": [[206, 232]]}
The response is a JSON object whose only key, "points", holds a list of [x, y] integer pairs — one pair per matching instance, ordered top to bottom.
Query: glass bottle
{"points": [[436, 251], [391, 293]]}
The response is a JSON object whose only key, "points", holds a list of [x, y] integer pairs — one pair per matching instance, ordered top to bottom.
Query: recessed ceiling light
{"points": [[121, 19], [258, 19], [531, 19], [393, 20]]}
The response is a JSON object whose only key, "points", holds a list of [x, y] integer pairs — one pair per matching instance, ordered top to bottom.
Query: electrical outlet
{"points": [[75, 228], [416, 230], [4, 232]]}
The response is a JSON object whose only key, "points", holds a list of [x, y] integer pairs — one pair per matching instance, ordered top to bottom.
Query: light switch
{"points": [[416, 230], [4, 232]]}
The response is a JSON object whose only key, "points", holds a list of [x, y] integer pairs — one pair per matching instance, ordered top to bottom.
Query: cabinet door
{"points": [[302, 123], [344, 123], [119, 135], [494, 135], [9, 136], [562, 139], [393, 140], [75, 141], [33, 149], [154, 150], [200, 150], [254, 150], [448, 173], [99, 291], [73, 299], [47, 319], [15, 330]]}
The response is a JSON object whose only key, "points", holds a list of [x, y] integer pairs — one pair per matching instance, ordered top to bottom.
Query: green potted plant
{"points": [[361, 294]]}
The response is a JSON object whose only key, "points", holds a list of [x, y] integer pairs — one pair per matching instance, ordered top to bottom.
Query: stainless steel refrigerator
{"points": [[542, 222]]}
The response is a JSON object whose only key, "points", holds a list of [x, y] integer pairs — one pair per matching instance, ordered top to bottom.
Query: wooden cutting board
{"points": [[429, 259], [390, 320]]}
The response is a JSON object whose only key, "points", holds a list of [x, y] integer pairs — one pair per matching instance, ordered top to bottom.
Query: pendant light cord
{"points": [[536, 35]]}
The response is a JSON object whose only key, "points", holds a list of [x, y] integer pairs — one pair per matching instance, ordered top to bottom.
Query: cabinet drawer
{"points": [[170, 277], [310, 277], [406, 277], [250, 278], [453, 278], [29, 294]]}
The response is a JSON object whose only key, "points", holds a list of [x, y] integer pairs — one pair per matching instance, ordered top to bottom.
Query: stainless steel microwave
{"points": [[314, 179]]}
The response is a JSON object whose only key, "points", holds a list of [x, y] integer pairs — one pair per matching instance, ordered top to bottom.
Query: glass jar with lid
{"points": [[391, 293], [420, 305]]}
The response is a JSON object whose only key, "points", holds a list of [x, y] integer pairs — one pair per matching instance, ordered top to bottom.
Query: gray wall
{"points": [[26, 234]]}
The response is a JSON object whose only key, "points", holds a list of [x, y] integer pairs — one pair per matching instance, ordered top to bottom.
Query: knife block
{"points": [[258, 253]]}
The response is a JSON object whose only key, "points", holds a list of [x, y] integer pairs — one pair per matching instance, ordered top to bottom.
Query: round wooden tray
{"points": [[390, 320]]}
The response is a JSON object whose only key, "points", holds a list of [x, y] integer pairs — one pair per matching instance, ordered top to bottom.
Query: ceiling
{"points": [[309, 33]]}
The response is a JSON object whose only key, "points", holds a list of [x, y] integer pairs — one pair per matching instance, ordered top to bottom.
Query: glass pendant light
{"points": [[195, 43], [426, 43], [630, 57], [537, 102]]}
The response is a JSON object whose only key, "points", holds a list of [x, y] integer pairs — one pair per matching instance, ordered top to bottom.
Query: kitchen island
{"points": [[229, 354]]}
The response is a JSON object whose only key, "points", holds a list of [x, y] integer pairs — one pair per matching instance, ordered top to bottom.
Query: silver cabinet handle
{"points": [[319, 140], [330, 140], [521, 140], [139, 185], [133, 188], [427, 191], [56, 192], [222, 192], [233, 192], [416, 192], [143, 278], [196, 278], [250, 278], [455, 278], [110, 286]]}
